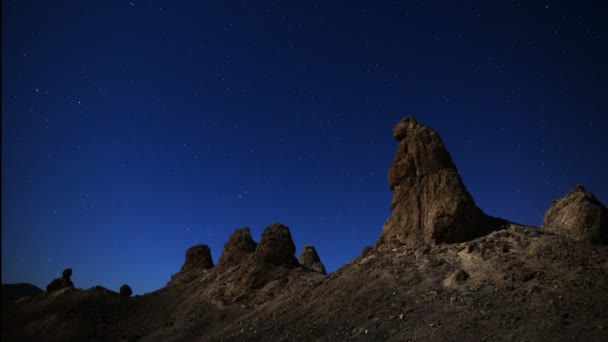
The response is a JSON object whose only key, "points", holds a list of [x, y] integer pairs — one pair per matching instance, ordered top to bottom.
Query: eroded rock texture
{"points": [[430, 204], [579, 215]]}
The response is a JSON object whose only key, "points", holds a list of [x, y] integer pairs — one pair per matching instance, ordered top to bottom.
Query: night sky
{"points": [[134, 130]]}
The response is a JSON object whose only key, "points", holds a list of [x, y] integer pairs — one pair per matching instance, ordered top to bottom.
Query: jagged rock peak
{"points": [[430, 203], [579, 215], [276, 246], [238, 248], [198, 257], [310, 258], [62, 282]]}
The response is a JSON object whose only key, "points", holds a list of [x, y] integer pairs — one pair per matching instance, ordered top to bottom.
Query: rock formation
{"points": [[430, 204], [579, 215], [276, 246], [238, 248], [198, 257], [309, 258], [61, 283], [125, 291]]}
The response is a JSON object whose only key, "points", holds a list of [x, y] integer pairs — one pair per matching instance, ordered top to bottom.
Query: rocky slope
{"points": [[441, 271]]}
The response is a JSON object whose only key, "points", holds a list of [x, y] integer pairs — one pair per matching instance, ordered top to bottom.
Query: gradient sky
{"points": [[134, 130]]}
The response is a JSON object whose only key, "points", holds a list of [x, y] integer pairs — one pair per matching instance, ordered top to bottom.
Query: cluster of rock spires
{"points": [[430, 205], [276, 249]]}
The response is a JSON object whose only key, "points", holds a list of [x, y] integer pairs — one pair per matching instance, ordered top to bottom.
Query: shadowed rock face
{"points": [[430, 204], [579, 215], [276, 246], [238, 248], [198, 258], [310, 259], [61, 283]]}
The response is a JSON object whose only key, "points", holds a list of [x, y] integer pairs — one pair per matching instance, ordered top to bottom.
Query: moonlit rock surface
{"points": [[430, 204], [579, 215]]}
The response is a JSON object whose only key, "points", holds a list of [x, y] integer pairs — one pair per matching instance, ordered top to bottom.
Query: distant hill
{"points": [[12, 292]]}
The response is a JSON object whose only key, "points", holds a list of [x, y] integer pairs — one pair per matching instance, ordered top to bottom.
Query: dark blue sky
{"points": [[133, 130]]}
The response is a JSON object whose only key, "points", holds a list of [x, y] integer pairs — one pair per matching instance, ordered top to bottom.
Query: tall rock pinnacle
{"points": [[430, 203], [579, 215]]}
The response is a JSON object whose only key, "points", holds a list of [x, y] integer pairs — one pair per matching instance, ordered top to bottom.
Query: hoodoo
{"points": [[430, 204], [579, 215], [238, 248], [310, 258]]}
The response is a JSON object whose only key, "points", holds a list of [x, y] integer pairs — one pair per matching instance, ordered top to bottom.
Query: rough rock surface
{"points": [[430, 203], [579, 215], [276, 246], [238, 248], [198, 257], [310, 258], [61, 283], [125, 290]]}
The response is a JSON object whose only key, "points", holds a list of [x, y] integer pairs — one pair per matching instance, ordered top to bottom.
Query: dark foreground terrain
{"points": [[442, 270]]}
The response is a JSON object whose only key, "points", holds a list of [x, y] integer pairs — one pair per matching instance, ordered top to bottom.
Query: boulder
{"points": [[430, 204], [579, 215], [276, 246], [239, 247], [198, 257], [309, 258], [125, 291]]}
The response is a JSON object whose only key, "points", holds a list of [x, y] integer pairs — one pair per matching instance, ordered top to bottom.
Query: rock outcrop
{"points": [[430, 204], [579, 215], [276, 246], [239, 247], [198, 257], [310, 258], [61, 283], [125, 291]]}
